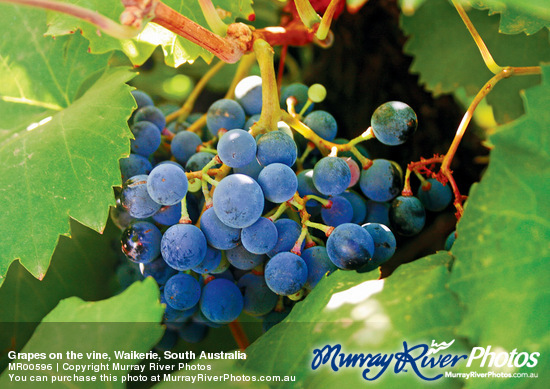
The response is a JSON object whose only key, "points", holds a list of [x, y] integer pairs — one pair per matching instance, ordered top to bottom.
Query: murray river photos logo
{"points": [[420, 359]]}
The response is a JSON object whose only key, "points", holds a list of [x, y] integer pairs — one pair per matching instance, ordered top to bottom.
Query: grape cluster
{"points": [[230, 220]]}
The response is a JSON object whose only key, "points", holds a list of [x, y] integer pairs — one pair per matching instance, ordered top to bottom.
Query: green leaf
{"points": [[517, 15], [437, 28], [177, 50], [59, 149], [82, 266], [501, 271], [364, 315], [129, 322]]}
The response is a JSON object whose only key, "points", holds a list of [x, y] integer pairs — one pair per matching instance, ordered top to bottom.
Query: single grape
{"points": [[248, 93], [317, 93], [142, 99], [224, 113], [151, 114], [393, 123], [323, 124], [147, 138], [184, 145], [276, 146], [237, 148], [134, 165], [331, 175], [382, 181], [278, 182], [167, 184], [306, 186], [135, 198], [435, 198], [238, 201], [358, 204], [340, 212], [407, 215], [120, 216], [288, 232], [217, 233], [260, 237], [450, 241], [141, 242], [384, 243], [183, 246], [349, 246], [242, 259], [318, 265], [158, 269], [286, 273], [182, 291], [258, 298], [221, 301], [175, 316], [193, 332]]}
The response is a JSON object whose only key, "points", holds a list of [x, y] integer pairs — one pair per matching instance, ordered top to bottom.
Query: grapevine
{"points": [[240, 207]]}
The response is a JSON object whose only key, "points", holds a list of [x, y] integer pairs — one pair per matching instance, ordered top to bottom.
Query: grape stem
{"points": [[307, 14], [212, 18], [105, 24], [324, 26], [485, 53], [245, 64], [182, 113], [270, 113], [198, 124], [185, 219], [239, 335]]}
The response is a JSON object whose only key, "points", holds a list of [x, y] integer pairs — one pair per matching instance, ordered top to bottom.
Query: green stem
{"points": [[307, 14], [212, 18], [105, 24], [324, 27], [271, 111], [282, 208], [185, 219], [326, 229]]}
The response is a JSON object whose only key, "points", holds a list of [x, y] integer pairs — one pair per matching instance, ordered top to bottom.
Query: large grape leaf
{"points": [[518, 15], [177, 50], [446, 57], [59, 146], [502, 254], [81, 266], [364, 315], [127, 322]]}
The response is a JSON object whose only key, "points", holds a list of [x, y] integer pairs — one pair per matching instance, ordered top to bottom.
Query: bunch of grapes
{"points": [[230, 218]]}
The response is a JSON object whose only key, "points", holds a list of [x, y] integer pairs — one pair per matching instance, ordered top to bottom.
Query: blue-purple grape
{"points": [[248, 93], [224, 113], [151, 114], [393, 123], [323, 124], [147, 138], [184, 145], [276, 147], [237, 148], [134, 165], [331, 175], [382, 181], [278, 182], [167, 184], [437, 197], [136, 200], [238, 201], [358, 204], [340, 212], [407, 215], [288, 232], [218, 234], [260, 237], [141, 242], [384, 243], [183, 246], [350, 247], [243, 259], [318, 265], [158, 269], [286, 273], [182, 291], [258, 298], [221, 301]]}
